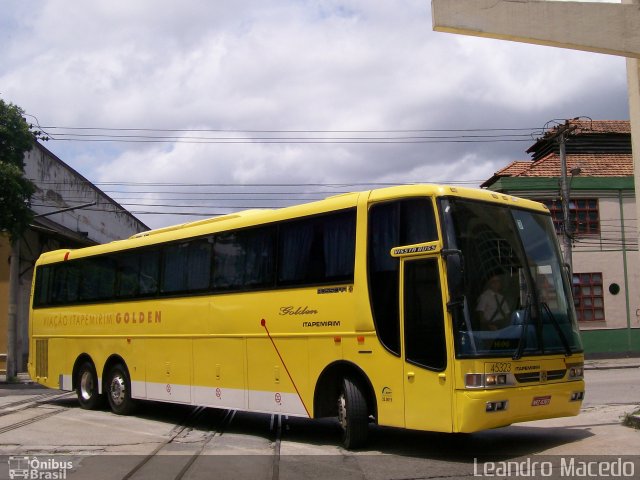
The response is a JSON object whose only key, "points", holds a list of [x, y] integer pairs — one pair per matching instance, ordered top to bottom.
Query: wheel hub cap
{"points": [[86, 385], [117, 390], [342, 412]]}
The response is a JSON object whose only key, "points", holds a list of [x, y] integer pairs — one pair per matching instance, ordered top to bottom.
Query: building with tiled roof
{"points": [[590, 165], [603, 227]]}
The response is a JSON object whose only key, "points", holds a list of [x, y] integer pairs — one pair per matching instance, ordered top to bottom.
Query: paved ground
{"points": [[172, 441]]}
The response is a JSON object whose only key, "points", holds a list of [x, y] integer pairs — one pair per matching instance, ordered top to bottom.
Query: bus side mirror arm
{"points": [[455, 275], [574, 288]]}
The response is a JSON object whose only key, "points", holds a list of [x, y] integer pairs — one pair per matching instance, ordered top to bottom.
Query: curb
{"points": [[609, 367]]}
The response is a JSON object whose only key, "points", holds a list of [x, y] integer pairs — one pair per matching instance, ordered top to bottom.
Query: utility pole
{"points": [[565, 194], [564, 197], [12, 318]]}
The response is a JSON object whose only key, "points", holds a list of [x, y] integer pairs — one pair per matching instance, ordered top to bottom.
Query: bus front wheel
{"points": [[87, 386], [119, 391], [353, 414]]}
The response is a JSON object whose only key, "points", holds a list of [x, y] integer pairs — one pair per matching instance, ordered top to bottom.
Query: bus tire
{"points": [[87, 390], [119, 390], [353, 415]]}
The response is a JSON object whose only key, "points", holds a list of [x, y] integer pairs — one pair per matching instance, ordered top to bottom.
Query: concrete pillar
{"points": [[633, 79]]}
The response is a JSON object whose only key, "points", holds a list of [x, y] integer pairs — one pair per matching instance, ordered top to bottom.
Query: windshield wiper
{"points": [[523, 335], [561, 335]]}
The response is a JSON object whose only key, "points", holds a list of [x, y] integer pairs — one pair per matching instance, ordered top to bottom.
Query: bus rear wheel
{"points": [[87, 386], [119, 391], [353, 415]]}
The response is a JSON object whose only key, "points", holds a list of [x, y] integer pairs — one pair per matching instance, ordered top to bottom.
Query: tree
{"points": [[15, 190]]}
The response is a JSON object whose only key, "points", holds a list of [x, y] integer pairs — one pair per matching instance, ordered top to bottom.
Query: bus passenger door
{"points": [[428, 377]]}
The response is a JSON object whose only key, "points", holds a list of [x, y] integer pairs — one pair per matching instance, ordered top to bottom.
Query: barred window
{"points": [[583, 214], [588, 293]]}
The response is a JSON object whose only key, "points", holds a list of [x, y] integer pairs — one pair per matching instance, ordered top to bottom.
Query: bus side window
{"points": [[418, 223], [392, 224], [339, 244], [317, 250], [244, 259], [199, 265], [187, 266], [174, 268], [128, 272], [149, 273], [383, 273], [98, 278], [66, 281], [42, 294]]}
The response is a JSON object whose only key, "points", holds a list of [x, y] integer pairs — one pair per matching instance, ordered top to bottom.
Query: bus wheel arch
{"points": [[84, 380], [117, 386], [343, 390]]}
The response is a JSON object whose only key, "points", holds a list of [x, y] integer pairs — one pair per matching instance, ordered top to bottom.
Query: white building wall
{"points": [[60, 187], [605, 253]]}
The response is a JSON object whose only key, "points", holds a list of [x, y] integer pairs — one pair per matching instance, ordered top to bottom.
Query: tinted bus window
{"points": [[392, 224], [317, 250], [244, 259], [199, 265], [187, 266], [128, 273], [98, 278], [148, 280], [66, 281], [42, 291]]}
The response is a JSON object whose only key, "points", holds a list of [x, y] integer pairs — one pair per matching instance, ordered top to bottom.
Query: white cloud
{"points": [[286, 65]]}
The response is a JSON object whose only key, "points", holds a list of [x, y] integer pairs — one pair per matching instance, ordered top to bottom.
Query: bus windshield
{"points": [[515, 299]]}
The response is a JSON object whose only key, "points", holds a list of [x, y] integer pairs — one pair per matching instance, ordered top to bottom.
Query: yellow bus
{"points": [[424, 307]]}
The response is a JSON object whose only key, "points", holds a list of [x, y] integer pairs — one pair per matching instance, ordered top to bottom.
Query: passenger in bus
{"points": [[492, 307]]}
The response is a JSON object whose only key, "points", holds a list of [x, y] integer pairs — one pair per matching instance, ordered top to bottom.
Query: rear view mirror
{"points": [[455, 273]]}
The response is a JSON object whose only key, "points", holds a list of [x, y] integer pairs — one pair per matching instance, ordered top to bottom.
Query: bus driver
{"points": [[492, 307]]}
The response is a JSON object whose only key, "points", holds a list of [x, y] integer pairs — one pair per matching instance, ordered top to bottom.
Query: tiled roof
{"points": [[602, 126], [585, 127], [607, 154], [591, 165], [514, 169]]}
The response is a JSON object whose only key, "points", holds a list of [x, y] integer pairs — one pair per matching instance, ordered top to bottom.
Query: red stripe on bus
{"points": [[263, 322]]}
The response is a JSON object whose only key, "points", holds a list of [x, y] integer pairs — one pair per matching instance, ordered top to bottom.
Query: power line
{"points": [[421, 130], [295, 136], [286, 141], [242, 185]]}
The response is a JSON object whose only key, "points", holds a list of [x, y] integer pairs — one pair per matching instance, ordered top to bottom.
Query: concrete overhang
{"points": [[608, 28]]}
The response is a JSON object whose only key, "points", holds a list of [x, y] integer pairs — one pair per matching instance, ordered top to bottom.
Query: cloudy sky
{"points": [[214, 105]]}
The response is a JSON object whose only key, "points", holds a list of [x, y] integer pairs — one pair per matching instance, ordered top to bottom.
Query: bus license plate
{"points": [[540, 401]]}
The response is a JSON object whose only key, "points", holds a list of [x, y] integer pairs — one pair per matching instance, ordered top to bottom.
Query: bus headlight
{"points": [[576, 372], [487, 380], [492, 380]]}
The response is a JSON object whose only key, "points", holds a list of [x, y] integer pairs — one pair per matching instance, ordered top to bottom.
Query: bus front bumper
{"points": [[485, 409]]}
